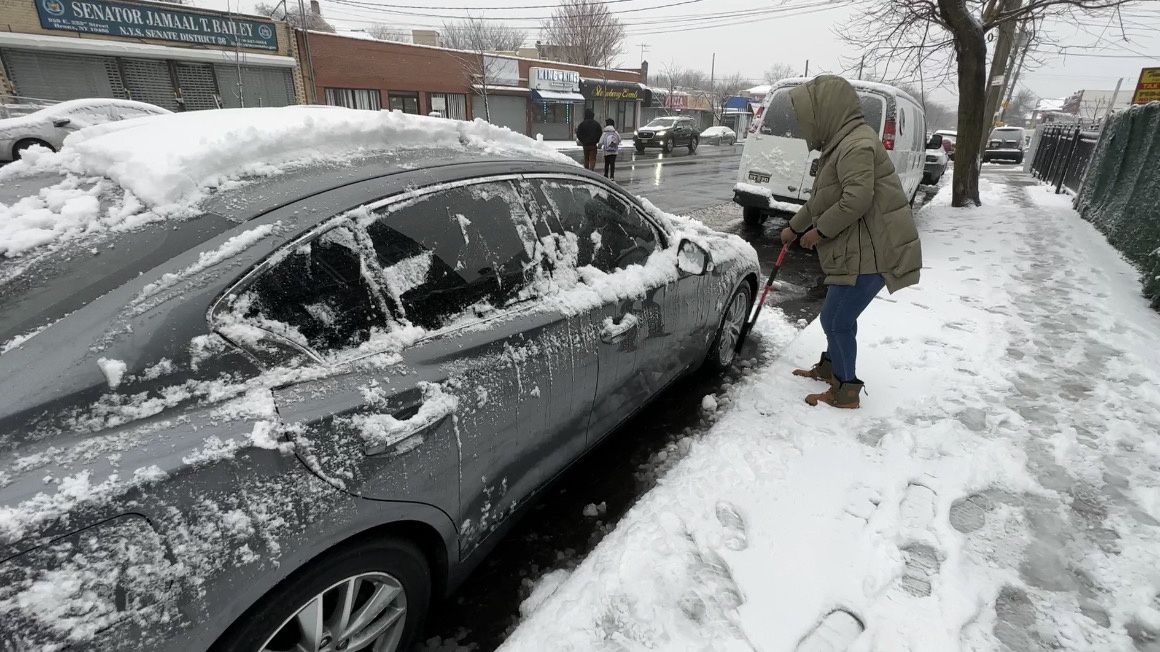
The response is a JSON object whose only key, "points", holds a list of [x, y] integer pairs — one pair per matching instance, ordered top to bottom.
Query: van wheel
{"points": [[754, 217], [371, 594]]}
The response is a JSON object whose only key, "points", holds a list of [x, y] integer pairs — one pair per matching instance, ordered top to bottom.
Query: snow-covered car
{"points": [[49, 126], [718, 136], [949, 137], [936, 160], [283, 388]]}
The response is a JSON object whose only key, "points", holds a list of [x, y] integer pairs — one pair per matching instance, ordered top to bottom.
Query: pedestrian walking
{"points": [[588, 135], [609, 145], [859, 219]]}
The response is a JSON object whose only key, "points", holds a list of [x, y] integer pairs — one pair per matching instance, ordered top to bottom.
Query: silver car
{"points": [[48, 127], [298, 418]]}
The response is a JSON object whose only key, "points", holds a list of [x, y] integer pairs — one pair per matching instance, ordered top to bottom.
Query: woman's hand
{"points": [[787, 236], [811, 239]]}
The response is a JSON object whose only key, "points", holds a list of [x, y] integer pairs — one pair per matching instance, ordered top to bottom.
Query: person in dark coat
{"points": [[588, 134]]}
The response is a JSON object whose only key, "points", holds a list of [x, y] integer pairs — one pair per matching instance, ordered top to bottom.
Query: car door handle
{"points": [[613, 332], [396, 432]]}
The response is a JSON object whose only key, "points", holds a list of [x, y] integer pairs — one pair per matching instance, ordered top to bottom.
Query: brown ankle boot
{"points": [[822, 371], [845, 396]]}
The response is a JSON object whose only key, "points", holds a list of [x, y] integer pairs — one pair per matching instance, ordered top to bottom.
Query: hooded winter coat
{"points": [[857, 204]]}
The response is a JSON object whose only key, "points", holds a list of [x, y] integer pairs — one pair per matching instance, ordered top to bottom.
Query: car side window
{"points": [[609, 233], [455, 250], [315, 294]]}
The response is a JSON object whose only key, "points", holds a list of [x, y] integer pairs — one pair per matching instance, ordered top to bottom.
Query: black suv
{"points": [[668, 132]]}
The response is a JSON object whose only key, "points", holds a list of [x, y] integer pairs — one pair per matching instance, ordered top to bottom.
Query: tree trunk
{"points": [[971, 49]]}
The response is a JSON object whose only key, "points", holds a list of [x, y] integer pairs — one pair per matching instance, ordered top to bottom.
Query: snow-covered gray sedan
{"points": [[49, 126], [280, 380]]}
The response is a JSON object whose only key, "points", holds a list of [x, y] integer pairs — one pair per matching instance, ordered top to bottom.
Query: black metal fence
{"points": [[1063, 155]]}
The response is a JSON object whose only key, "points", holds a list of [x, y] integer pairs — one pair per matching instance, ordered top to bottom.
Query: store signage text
{"points": [[148, 21], [552, 79], [1148, 88], [616, 93]]}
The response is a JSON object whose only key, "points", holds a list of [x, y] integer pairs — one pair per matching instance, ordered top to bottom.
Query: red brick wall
{"points": [[344, 62]]}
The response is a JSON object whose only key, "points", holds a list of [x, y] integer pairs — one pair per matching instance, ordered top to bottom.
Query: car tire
{"points": [[732, 141], [693, 142], [20, 146], [667, 147], [640, 149], [1019, 160], [926, 180], [914, 195], [754, 217], [737, 311], [373, 565]]}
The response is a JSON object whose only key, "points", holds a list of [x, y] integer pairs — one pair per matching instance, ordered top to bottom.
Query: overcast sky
{"points": [[750, 35]]}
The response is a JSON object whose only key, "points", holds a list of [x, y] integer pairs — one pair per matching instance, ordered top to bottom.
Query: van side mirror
{"points": [[936, 141], [692, 259]]}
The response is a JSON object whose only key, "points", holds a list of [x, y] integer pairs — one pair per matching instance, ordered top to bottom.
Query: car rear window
{"points": [[780, 119]]}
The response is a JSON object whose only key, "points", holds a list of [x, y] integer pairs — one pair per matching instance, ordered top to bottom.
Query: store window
{"points": [[354, 98], [405, 101], [450, 105]]}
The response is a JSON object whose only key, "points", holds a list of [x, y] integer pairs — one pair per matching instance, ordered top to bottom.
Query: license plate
{"points": [[759, 177]]}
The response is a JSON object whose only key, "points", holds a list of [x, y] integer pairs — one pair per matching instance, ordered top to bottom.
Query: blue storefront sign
{"points": [[154, 22]]}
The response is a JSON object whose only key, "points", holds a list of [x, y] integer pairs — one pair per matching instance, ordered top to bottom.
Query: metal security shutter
{"points": [[60, 76], [148, 80], [197, 85], [259, 86], [509, 111]]}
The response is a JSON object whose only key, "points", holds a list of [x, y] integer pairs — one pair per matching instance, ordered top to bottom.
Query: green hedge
{"points": [[1121, 194]]}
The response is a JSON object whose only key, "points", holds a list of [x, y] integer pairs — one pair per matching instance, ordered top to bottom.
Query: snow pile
{"points": [[165, 159], [996, 490]]}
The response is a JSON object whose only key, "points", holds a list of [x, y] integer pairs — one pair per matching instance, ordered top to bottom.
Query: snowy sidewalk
{"points": [[1000, 488]]}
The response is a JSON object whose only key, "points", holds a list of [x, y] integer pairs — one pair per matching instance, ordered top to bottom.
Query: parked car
{"points": [[49, 126], [667, 133], [719, 136], [950, 138], [1006, 144], [936, 160], [777, 165], [295, 415]]}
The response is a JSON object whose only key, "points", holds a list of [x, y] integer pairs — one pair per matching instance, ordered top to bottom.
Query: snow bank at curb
{"points": [[993, 491]]}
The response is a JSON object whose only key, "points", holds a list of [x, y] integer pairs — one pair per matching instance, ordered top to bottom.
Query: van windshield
{"points": [[780, 119]]}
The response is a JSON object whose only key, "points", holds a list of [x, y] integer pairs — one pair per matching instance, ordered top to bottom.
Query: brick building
{"points": [[173, 56], [529, 96]]}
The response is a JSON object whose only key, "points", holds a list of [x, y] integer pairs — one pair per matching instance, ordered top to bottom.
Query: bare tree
{"points": [[297, 19], [384, 32], [586, 32], [475, 34], [913, 37], [476, 39], [778, 72], [720, 89], [1022, 104]]}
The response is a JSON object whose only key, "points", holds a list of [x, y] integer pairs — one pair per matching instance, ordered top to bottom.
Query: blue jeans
{"points": [[844, 303]]}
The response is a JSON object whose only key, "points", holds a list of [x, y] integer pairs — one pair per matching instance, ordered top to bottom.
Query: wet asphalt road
{"points": [[553, 531]]}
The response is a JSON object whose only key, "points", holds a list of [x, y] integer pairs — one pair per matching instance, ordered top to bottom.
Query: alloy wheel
{"points": [[731, 329], [367, 611]]}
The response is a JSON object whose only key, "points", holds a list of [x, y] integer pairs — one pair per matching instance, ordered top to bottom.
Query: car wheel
{"points": [[732, 141], [693, 145], [667, 147], [18, 148], [640, 149], [1019, 160], [926, 180], [913, 195], [753, 216], [724, 349], [370, 595]]}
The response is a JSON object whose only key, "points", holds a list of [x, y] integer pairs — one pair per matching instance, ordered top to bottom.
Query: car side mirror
{"points": [[61, 122], [692, 259]]}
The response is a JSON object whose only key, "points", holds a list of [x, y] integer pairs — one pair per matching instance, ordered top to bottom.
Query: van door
{"points": [[776, 156]]}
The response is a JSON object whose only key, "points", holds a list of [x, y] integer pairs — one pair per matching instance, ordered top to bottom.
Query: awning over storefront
{"points": [[607, 89], [556, 96], [737, 103]]}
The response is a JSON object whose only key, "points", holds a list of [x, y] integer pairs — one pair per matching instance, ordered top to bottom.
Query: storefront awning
{"points": [[556, 96]]}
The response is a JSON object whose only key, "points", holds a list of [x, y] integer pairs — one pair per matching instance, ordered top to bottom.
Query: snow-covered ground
{"points": [[999, 489]]}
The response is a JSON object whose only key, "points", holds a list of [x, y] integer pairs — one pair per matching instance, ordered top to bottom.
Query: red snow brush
{"points": [[752, 321]]}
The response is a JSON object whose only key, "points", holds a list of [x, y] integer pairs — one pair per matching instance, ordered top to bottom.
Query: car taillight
{"points": [[888, 135]]}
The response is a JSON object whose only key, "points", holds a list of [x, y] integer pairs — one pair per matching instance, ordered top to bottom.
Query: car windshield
{"points": [[663, 123]]}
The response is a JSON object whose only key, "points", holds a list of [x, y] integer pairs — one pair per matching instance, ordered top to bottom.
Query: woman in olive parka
{"points": [[859, 219]]}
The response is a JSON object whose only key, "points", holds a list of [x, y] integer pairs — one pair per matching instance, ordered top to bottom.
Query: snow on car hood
{"points": [[169, 158]]}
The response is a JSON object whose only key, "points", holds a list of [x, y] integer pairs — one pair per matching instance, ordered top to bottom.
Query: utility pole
{"points": [[1022, 45], [643, 47], [863, 63], [807, 68], [996, 79], [713, 87], [1111, 104]]}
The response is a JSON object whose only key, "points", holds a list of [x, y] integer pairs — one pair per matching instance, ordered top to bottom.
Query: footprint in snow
{"points": [[916, 512], [733, 523], [834, 633]]}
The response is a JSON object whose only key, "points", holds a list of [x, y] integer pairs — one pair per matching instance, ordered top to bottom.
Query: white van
{"points": [[776, 164]]}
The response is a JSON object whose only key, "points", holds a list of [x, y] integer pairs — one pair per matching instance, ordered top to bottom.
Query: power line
{"points": [[391, 10]]}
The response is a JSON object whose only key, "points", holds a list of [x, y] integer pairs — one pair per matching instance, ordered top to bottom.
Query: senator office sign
{"points": [[154, 22]]}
